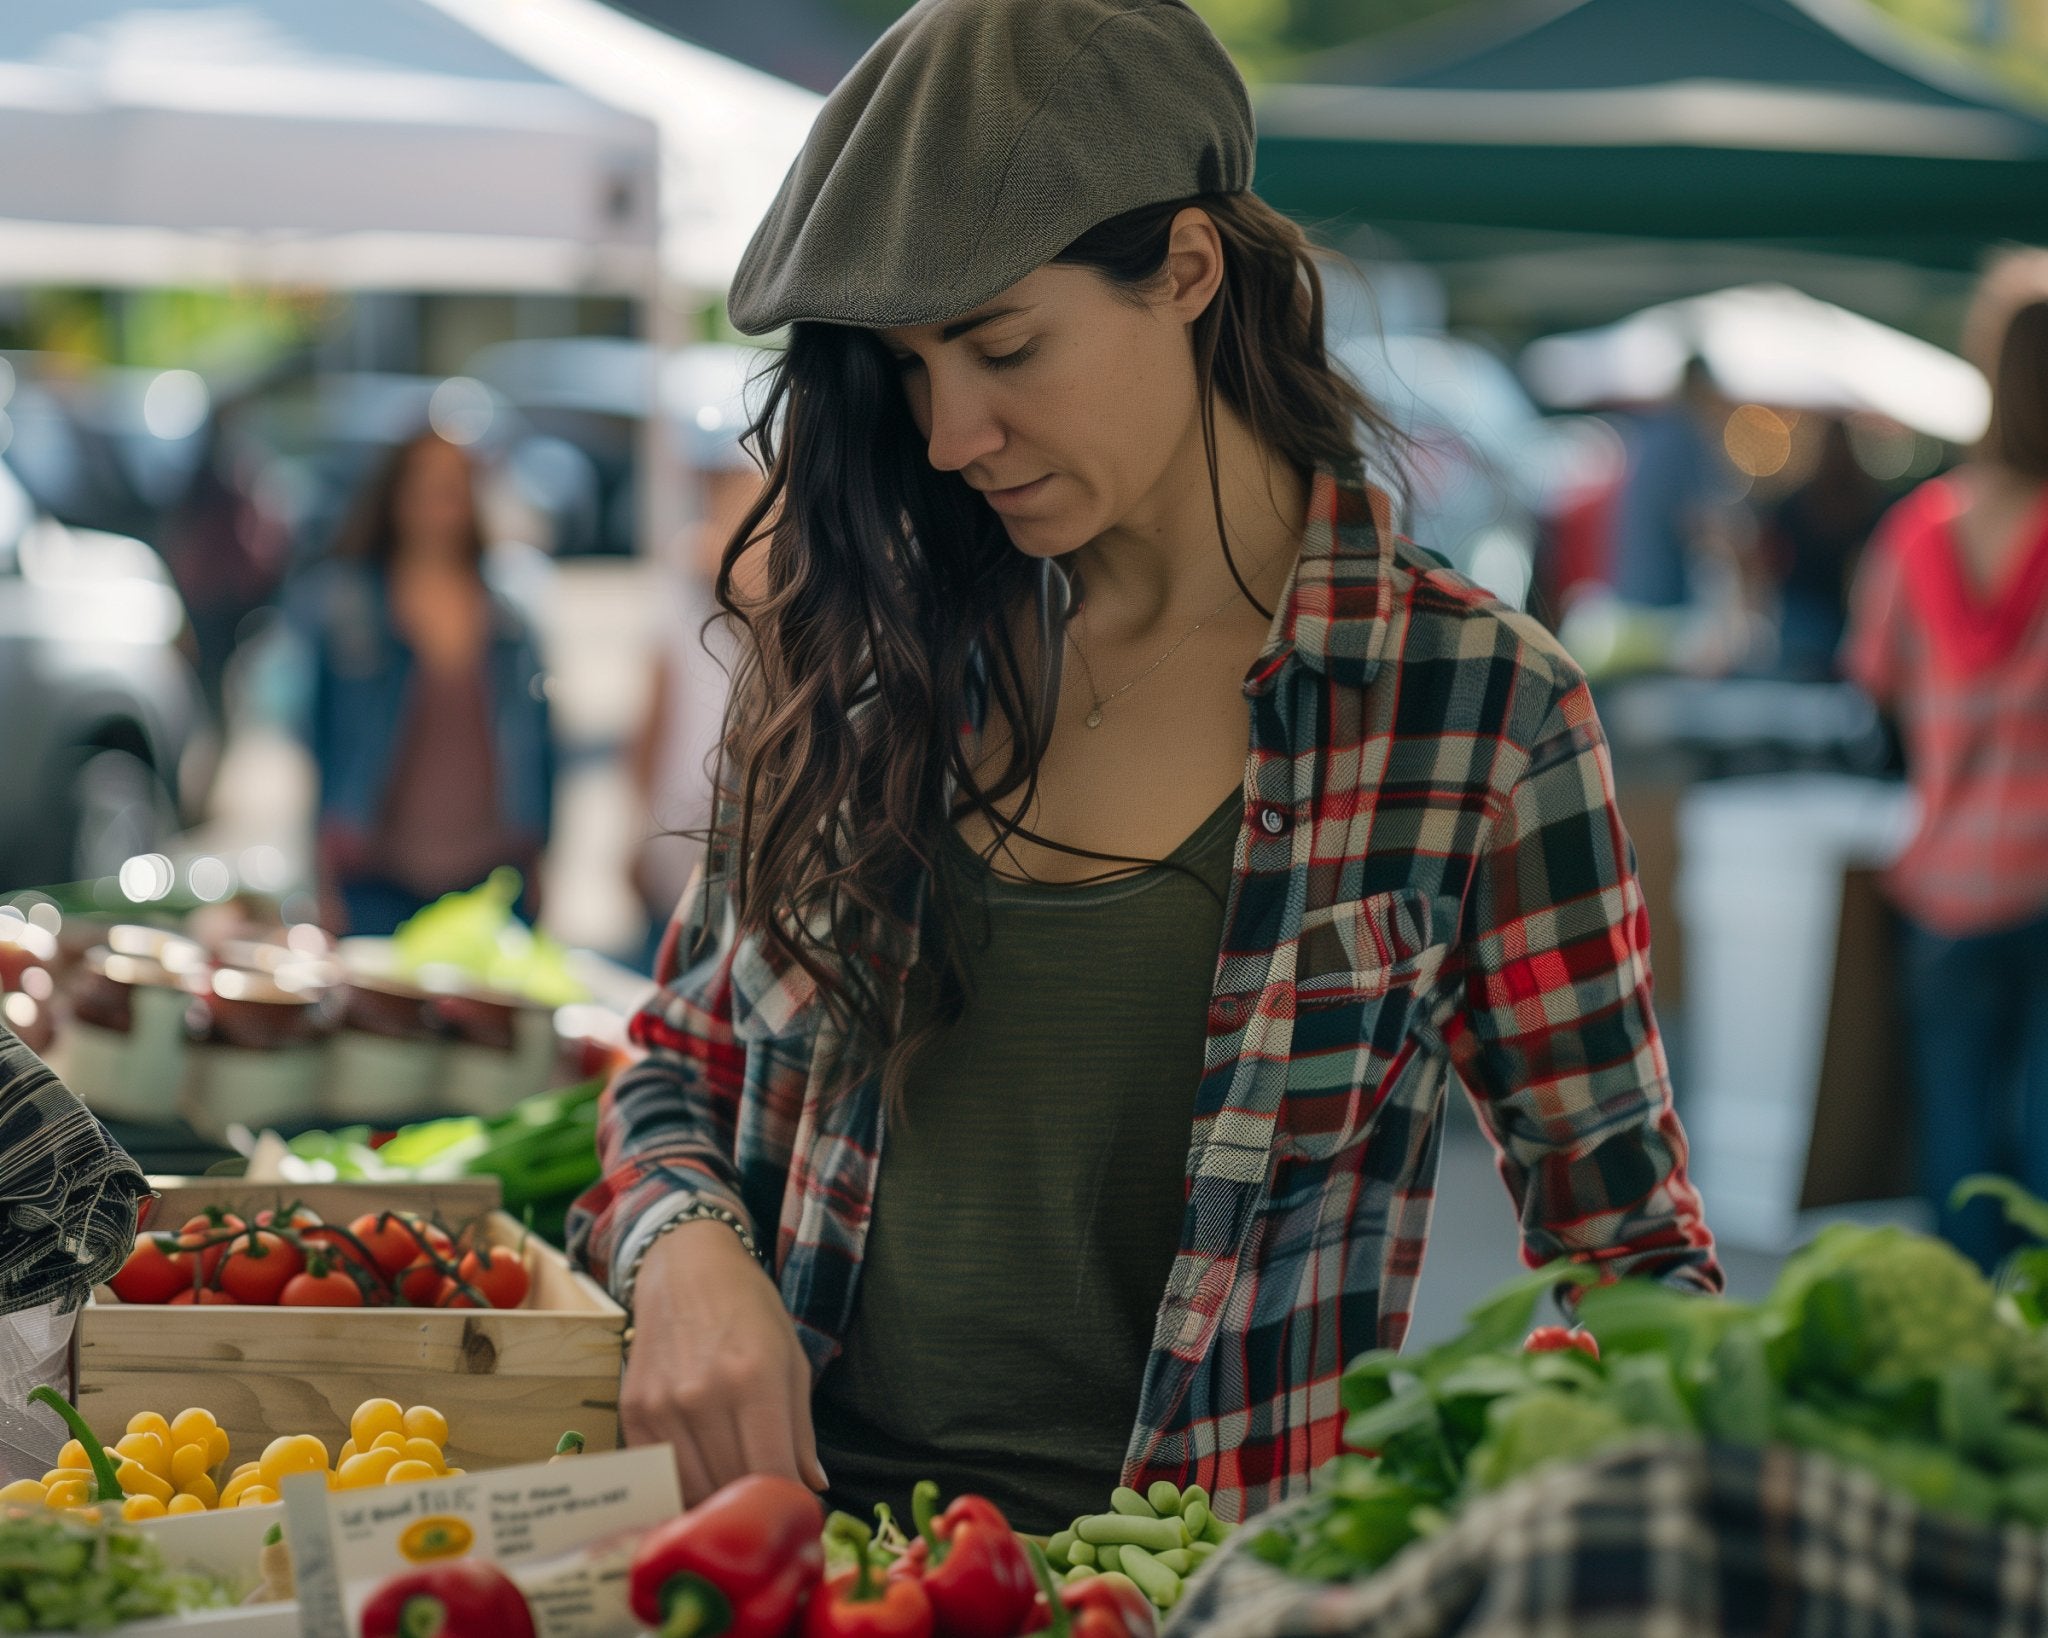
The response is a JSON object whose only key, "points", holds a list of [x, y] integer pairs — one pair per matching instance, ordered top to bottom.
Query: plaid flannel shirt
{"points": [[1430, 877], [1658, 1537]]}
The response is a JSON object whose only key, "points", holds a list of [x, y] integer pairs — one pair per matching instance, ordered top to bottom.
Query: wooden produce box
{"points": [[509, 1381]]}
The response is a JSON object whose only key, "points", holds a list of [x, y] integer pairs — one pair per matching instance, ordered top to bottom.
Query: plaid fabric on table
{"points": [[1430, 878], [1662, 1541]]}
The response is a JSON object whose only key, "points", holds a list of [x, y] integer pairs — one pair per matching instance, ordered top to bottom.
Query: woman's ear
{"points": [[1194, 265]]}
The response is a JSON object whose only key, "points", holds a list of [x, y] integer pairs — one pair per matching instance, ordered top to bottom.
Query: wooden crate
{"points": [[509, 1381]]}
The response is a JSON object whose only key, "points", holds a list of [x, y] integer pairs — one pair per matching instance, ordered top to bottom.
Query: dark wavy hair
{"points": [[369, 530], [886, 620]]}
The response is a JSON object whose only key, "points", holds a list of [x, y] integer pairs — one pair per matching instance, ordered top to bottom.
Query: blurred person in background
{"points": [[1673, 514], [1813, 538], [1950, 632], [428, 712], [671, 753]]}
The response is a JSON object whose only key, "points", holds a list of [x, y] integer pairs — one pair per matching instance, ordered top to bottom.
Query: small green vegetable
{"points": [[1192, 1494], [1165, 1498], [1126, 1500], [1196, 1517], [1120, 1529], [1060, 1546], [1079, 1551], [1109, 1559], [1181, 1561], [1081, 1572], [1154, 1579]]}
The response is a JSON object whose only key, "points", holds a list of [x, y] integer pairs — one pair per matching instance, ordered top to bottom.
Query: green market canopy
{"points": [[1801, 123]]}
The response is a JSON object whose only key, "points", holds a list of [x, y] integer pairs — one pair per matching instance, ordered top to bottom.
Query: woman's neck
{"points": [[1164, 564]]}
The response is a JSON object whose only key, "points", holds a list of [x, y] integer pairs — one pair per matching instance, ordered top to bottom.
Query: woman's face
{"points": [[1063, 401], [435, 508]]}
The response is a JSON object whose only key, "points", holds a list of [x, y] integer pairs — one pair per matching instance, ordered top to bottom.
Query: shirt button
{"points": [[1275, 821]]}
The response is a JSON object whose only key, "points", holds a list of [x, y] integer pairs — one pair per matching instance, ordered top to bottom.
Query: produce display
{"points": [[543, 1151], [288, 1258], [1882, 1348], [160, 1467], [1154, 1541], [68, 1572]]}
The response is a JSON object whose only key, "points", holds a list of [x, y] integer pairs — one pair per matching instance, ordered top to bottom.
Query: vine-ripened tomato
{"points": [[295, 1217], [206, 1226], [396, 1239], [331, 1242], [258, 1266], [156, 1270], [498, 1272], [420, 1283], [332, 1289], [204, 1298], [1555, 1339]]}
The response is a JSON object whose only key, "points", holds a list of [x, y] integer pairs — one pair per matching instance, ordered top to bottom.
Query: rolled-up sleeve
{"points": [[1555, 1037]]}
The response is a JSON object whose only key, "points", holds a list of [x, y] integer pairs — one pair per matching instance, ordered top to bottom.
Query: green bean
{"points": [[1194, 1493], [1164, 1497], [1127, 1501], [1196, 1516], [1115, 1529], [1218, 1532], [1060, 1547], [1203, 1551], [1082, 1553], [1109, 1560], [1180, 1561], [1080, 1572], [1154, 1579]]}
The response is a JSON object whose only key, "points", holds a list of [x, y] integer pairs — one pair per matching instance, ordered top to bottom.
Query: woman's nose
{"points": [[961, 429]]}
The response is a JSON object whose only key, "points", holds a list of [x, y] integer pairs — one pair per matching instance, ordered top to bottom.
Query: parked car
{"points": [[99, 710]]}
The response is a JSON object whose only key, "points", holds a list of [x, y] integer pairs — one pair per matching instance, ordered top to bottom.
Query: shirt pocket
{"points": [[1359, 949], [1362, 966]]}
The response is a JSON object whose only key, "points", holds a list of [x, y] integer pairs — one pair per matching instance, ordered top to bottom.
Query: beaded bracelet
{"points": [[696, 1211]]}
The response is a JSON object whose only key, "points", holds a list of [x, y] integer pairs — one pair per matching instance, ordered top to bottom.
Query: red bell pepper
{"points": [[1556, 1339], [740, 1563], [972, 1566], [459, 1599], [862, 1604], [1102, 1606]]}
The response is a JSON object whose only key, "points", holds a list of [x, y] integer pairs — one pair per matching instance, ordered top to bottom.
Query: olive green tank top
{"points": [[1029, 1203]]}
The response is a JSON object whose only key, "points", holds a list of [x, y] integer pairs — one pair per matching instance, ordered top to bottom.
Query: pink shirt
{"points": [[1966, 672]]}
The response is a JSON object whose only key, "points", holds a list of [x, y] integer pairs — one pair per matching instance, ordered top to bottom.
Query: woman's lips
{"points": [[1005, 500]]}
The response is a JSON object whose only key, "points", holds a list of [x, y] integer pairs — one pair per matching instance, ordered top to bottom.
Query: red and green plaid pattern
{"points": [[1430, 877]]}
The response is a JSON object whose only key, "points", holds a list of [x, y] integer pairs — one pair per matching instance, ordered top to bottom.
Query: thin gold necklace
{"points": [[1098, 699]]}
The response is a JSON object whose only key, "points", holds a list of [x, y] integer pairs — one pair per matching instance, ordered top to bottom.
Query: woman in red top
{"points": [[1951, 633]]}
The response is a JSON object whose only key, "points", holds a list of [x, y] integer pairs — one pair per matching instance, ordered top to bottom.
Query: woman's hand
{"points": [[716, 1369]]}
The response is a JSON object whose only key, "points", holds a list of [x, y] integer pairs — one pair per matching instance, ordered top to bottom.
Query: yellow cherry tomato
{"points": [[375, 1416], [150, 1422], [424, 1422], [193, 1426], [389, 1441], [216, 1447], [348, 1449], [147, 1450], [425, 1450], [292, 1453], [73, 1456], [188, 1462], [246, 1467], [361, 1472], [408, 1472], [65, 1475], [137, 1480], [203, 1490], [29, 1491], [231, 1492], [71, 1493], [256, 1496], [186, 1502], [136, 1508]]}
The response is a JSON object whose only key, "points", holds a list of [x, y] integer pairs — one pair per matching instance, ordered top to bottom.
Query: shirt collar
{"points": [[1336, 611]]}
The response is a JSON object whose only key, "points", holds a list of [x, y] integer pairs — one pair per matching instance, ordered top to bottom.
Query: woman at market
{"points": [[1950, 632], [429, 709], [1123, 836]]}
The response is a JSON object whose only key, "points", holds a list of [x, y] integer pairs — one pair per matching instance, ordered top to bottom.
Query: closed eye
{"points": [[1010, 360]]}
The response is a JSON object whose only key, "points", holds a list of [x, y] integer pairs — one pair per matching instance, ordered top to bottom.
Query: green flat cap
{"points": [[976, 141]]}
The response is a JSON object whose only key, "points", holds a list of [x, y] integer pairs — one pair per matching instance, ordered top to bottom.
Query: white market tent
{"points": [[728, 132], [374, 144], [1767, 344]]}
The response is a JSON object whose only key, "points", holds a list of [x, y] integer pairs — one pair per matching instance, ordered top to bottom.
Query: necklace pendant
{"points": [[1095, 717]]}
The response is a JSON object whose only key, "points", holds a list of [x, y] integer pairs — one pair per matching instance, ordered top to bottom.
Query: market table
{"points": [[1675, 1540]]}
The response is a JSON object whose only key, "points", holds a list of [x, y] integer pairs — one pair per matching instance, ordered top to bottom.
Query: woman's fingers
{"points": [[808, 1468]]}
